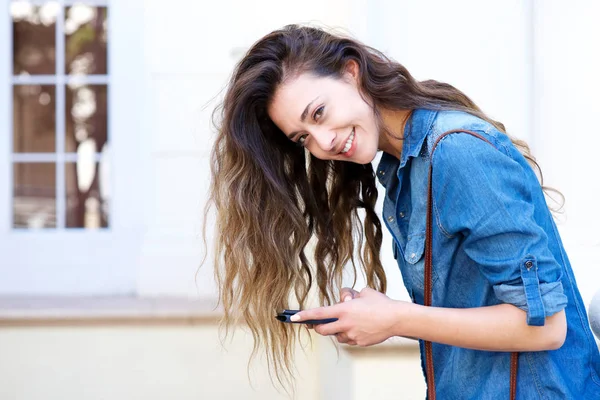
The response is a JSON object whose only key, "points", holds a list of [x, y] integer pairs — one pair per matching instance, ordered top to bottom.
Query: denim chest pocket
{"points": [[414, 256]]}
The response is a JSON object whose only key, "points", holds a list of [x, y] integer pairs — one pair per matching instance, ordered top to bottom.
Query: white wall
{"points": [[480, 47], [191, 49], [567, 135]]}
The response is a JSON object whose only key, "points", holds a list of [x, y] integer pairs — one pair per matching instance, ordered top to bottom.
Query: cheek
{"points": [[365, 115], [368, 123]]}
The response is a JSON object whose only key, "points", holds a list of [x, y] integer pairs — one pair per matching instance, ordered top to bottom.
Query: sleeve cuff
{"points": [[539, 300]]}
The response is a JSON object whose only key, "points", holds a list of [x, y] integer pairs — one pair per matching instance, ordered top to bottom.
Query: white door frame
{"points": [[81, 261]]}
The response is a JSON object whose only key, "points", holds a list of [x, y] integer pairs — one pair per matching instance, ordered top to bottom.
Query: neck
{"points": [[394, 121]]}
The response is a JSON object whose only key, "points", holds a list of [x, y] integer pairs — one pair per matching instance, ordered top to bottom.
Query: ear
{"points": [[352, 70]]}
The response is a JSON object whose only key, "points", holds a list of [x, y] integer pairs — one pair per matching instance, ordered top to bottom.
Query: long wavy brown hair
{"points": [[272, 198]]}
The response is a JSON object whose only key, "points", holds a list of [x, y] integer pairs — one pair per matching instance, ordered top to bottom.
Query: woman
{"points": [[304, 115]]}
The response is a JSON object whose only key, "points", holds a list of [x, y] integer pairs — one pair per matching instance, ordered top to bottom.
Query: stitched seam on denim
{"points": [[492, 134], [499, 144], [502, 147], [436, 212], [438, 221], [392, 234], [414, 235], [419, 248], [581, 318], [530, 361], [595, 377]]}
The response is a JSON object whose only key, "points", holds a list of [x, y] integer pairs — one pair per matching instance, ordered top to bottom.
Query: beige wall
{"points": [[112, 362], [185, 362]]}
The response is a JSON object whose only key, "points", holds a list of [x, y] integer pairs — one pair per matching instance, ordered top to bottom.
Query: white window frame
{"points": [[75, 261]]}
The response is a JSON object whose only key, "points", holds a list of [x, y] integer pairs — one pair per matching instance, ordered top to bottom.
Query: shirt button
{"points": [[381, 172], [401, 215], [391, 219], [413, 256], [529, 264]]}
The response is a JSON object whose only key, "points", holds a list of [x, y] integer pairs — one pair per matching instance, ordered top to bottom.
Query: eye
{"points": [[318, 113], [301, 140]]}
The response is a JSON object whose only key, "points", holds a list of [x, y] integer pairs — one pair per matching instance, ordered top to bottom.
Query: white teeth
{"points": [[349, 142]]}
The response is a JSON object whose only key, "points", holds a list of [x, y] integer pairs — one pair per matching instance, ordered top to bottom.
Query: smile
{"points": [[350, 145]]}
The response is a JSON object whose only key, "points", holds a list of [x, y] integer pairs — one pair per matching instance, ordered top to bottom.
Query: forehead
{"points": [[292, 97]]}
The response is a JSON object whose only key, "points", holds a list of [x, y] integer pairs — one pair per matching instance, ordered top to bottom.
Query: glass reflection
{"points": [[34, 37], [85, 40], [86, 116], [34, 119], [34, 195], [87, 206]]}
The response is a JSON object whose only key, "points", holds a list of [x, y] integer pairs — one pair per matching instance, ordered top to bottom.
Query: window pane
{"points": [[34, 38], [85, 40], [86, 116], [34, 121], [86, 184], [34, 195]]}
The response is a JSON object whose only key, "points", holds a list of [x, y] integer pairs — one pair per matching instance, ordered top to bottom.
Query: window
{"points": [[69, 96], [59, 124]]}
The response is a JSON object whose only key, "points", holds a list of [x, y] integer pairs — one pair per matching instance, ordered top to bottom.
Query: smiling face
{"points": [[327, 116]]}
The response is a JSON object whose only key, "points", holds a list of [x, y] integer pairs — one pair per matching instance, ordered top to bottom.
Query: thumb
{"points": [[369, 292], [347, 294]]}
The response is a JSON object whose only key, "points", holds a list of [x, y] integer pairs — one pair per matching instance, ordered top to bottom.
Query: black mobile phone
{"points": [[285, 315]]}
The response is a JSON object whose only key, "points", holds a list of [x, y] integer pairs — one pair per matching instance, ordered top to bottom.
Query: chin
{"points": [[364, 158]]}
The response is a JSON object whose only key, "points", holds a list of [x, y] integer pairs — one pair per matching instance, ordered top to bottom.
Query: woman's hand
{"points": [[346, 294], [368, 318]]}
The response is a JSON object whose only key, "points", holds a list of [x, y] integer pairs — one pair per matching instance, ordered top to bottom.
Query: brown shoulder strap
{"points": [[514, 360]]}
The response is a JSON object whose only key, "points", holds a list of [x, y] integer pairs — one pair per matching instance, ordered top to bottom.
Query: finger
{"points": [[366, 291], [347, 294], [315, 313], [310, 326], [330, 328], [342, 338], [351, 342]]}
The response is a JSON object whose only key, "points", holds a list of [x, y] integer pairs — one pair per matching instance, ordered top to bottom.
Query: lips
{"points": [[348, 142], [349, 145]]}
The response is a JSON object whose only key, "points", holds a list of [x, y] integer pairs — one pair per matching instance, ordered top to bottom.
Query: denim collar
{"points": [[418, 127]]}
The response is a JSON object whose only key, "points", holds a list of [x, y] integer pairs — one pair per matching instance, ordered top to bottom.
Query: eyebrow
{"points": [[302, 117]]}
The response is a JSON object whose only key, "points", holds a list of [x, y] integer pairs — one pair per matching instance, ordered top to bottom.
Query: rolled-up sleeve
{"points": [[486, 196]]}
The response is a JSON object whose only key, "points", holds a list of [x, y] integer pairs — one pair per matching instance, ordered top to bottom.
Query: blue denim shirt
{"points": [[494, 241]]}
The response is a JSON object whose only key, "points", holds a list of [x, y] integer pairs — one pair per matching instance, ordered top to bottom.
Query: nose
{"points": [[325, 138]]}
